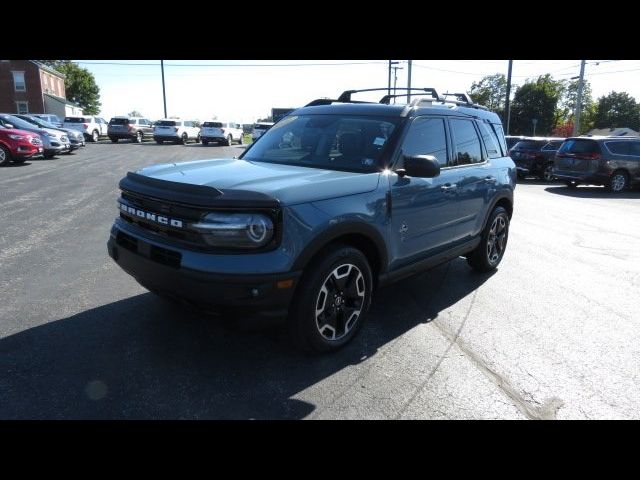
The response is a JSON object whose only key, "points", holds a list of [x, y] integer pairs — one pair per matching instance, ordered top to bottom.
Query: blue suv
{"points": [[337, 199]]}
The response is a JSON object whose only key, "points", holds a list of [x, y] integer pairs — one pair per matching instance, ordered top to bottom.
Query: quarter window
{"points": [[427, 136], [490, 140], [467, 143], [619, 148]]}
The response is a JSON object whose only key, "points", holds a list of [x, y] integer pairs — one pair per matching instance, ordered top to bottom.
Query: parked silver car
{"points": [[52, 119], [76, 138], [53, 140]]}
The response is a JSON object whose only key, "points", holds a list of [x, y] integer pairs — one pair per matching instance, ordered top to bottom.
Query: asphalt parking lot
{"points": [[554, 333]]}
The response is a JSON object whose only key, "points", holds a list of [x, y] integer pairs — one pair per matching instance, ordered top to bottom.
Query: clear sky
{"points": [[244, 90]]}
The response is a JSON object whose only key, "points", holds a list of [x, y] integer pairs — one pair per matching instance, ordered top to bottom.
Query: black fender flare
{"points": [[340, 230]]}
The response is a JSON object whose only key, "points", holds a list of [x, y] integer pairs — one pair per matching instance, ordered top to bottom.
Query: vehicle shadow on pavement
{"points": [[592, 192], [146, 358]]}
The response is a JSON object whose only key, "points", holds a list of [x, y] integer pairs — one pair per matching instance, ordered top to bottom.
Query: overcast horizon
{"points": [[245, 90]]}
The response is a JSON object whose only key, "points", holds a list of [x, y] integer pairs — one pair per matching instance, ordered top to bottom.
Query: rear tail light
{"points": [[85, 125], [130, 127], [175, 129], [222, 130]]}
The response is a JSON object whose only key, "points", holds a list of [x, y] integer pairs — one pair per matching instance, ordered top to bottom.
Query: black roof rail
{"points": [[464, 99], [329, 101]]}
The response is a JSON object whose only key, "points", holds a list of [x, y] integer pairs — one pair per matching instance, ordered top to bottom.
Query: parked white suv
{"points": [[92, 127], [176, 130], [221, 132]]}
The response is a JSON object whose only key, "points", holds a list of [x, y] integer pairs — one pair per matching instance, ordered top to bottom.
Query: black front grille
{"points": [[127, 241], [165, 256]]}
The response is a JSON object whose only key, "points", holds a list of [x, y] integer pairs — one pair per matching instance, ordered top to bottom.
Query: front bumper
{"points": [[158, 269]]}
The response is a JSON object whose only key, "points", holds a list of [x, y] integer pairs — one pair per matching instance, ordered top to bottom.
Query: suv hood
{"points": [[16, 131], [289, 184]]}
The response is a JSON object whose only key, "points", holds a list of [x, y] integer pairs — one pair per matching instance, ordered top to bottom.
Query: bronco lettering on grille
{"points": [[152, 217]]}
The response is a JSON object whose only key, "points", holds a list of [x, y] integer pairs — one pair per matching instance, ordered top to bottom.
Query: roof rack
{"points": [[345, 97]]}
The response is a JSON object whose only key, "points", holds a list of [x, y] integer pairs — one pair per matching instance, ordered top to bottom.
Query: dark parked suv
{"points": [[131, 128], [535, 156], [610, 161], [335, 200]]}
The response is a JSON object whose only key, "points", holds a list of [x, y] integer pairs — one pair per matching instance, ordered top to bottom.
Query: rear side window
{"points": [[166, 123], [212, 124], [427, 136], [490, 140], [466, 141], [579, 146], [619, 148], [634, 149]]}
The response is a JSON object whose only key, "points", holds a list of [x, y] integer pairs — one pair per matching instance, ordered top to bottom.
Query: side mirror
{"points": [[8, 125], [422, 166]]}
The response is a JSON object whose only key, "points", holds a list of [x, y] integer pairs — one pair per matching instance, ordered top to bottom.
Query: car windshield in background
{"points": [[75, 120], [119, 121], [17, 122], [41, 123], [166, 123], [212, 124], [334, 142], [528, 145], [579, 146]]}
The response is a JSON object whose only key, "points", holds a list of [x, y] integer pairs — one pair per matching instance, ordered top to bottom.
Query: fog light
{"points": [[283, 284]]}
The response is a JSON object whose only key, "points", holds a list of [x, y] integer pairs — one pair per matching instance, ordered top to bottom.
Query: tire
{"points": [[95, 136], [139, 137], [185, 139], [198, 139], [114, 140], [240, 140], [229, 141], [159, 142], [205, 142], [5, 156], [49, 156], [19, 160], [547, 173], [618, 182], [572, 185], [493, 242], [341, 282]]}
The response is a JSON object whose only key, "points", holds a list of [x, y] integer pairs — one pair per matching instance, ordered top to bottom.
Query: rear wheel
{"points": [[95, 136], [139, 137], [185, 138], [113, 139], [229, 140], [159, 142], [205, 142], [5, 156], [49, 156], [547, 173], [618, 182], [572, 184], [493, 242], [331, 300]]}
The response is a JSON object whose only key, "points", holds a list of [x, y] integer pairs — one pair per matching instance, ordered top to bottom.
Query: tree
{"points": [[80, 85], [491, 92], [536, 100], [567, 105], [618, 109], [135, 113], [563, 130]]}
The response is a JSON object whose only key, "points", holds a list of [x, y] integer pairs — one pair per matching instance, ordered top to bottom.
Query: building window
{"points": [[18, 81], [22, 107]]}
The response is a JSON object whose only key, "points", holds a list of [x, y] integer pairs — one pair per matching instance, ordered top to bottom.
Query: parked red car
{"points": [[18, 145]]}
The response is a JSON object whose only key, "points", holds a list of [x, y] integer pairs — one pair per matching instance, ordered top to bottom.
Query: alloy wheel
{"points": [[618, 182], [497, 239], [340, 302]]}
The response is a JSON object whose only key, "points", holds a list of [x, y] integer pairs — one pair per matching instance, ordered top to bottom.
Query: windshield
{"points": [[17, 122], [39, 122], [166, 123], [334, 142]]}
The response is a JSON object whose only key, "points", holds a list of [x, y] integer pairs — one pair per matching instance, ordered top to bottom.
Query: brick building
{"points": [[27, 86]]}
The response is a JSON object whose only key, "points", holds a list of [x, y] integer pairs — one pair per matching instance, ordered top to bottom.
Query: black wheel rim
{"points": [[3, 155], [497, 239], [339, 302]]}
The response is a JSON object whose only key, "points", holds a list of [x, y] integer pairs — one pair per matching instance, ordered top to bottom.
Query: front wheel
{"points": [[95, 136], [139, 137], [113, 139], [185, 139], [229, 140], [159, 142], [205, 142], [5, 155], [547, 173], [571, 185], [493, 242], [331, 300]]}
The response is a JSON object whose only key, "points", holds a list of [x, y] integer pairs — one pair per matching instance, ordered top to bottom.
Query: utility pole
{"points": [[395, 80], [409, 81], [389, 82], [164, 95], [507, 103], [576, 123]]}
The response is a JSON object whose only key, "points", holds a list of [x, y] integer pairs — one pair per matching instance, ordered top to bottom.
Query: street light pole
{"points": [[395, 80], [389, 82], [409, 82], [164, 96], [507, 103], [576, 123]]}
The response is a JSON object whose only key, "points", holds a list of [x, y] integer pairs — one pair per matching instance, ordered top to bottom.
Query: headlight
{"points": [[47, 134], [17, 137], [236, 230]]}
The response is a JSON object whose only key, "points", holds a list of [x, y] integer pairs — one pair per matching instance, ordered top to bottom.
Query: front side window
{"points": [[18, 82], [427, 136], [466, 141], [334, 142]]}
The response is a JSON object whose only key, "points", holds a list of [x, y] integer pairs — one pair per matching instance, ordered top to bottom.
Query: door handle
{"points": [[490, 179], [448, 186]]}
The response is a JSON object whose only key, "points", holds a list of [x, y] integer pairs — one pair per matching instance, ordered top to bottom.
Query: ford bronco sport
{"points": [[335, 200]]}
